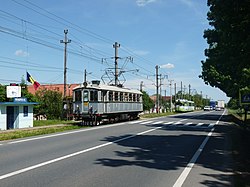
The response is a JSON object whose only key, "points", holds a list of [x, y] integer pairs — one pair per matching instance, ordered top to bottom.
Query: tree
{"points": [[227, 64], [3, 97], [50, 103], [148, 103]]}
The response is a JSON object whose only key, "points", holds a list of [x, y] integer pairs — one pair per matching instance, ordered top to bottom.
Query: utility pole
{"points": [[65, 41], [116, 46], [85, 75], [141, 85], [157, 89], [181, 89], [189, 91], [170, 94], [175, 96]]}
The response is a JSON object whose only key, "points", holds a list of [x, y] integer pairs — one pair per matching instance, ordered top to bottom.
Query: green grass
{"points": [[238, 114], [154, 115], [50, 122], [9, 135]]}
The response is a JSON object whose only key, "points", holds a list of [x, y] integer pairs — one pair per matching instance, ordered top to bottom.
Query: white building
{"points": [[16, 114]]}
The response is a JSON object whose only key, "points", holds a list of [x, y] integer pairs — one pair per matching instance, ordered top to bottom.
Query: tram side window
{"points": [[78, 95], [85, 95], [93, 95], [103, 95], [110, 96], [116, 96], [121, 96], [134, 96], [126, 97], [130, 97], [138, 97]]}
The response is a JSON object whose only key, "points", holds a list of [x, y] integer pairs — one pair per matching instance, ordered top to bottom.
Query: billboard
{"points": [[13, 91]]}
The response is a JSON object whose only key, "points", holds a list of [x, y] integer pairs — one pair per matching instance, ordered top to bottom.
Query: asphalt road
{"points": [[189, 149]]}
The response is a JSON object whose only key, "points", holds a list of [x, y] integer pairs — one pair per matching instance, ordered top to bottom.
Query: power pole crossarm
{"points": [[65, 41]]}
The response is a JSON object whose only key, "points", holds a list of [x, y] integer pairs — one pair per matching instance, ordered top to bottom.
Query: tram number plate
{"points": [[85, 103]]}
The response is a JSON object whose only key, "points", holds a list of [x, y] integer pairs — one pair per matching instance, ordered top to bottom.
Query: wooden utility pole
{"points": [[65, 41]]}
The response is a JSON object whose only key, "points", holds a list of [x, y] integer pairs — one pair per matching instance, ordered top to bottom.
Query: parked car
{"points": [[207, 108]]}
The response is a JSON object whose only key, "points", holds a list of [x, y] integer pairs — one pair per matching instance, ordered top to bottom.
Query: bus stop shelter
{"points": [[16, 114]]}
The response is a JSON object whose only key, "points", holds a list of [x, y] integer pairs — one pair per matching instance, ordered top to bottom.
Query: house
{"points": [[54, 87]]}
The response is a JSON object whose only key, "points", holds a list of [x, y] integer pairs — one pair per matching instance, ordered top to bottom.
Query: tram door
{"points": [[85, 101]]}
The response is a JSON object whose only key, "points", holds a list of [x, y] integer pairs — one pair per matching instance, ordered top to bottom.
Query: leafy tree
{"points": [[227, 64], [3, 97], [30, 97], [147, 102], [50, 103]]}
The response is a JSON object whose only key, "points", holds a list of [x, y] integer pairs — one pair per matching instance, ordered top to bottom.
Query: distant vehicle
{"points": [[212, 104], [221, 104], [183, 105], [207, 108], [218, 108]]}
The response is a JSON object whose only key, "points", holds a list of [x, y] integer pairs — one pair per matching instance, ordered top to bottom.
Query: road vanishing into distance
{"points": [[187, 149]]}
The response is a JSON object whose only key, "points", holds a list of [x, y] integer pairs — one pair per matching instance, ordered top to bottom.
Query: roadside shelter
{"points": [[16, 114]]}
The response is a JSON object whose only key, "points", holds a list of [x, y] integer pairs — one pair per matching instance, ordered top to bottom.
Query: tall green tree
{"points": [[227, 64], [3, 97], [50, 103], [148, 103]]}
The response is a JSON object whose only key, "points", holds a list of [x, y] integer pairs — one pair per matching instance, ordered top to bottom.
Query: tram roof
{"points": [[107, 87]]}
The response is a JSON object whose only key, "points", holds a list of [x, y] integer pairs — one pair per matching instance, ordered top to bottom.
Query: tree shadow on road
{"points": [[174, 151]]}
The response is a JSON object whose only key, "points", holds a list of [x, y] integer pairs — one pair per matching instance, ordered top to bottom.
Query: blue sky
{"points": [[153, 32]]}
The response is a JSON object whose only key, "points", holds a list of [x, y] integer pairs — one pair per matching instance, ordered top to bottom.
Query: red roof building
{"points": [[54, 87]]}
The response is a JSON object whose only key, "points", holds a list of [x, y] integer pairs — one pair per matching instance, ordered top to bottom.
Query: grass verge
{"points": [[154, 115], [40, 128], [240, 150]]}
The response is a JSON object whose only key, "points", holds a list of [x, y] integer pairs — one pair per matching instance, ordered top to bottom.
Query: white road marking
{"points": [[183, 119], [133, 122], [146, 122], [157, 122], [167, 123], [177, 123], [187, 124], [199, 124], [211, 125], [71, 155], [179, 182]]}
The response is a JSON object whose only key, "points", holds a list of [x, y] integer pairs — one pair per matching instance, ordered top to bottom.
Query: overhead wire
{"points": [[71, 25]]}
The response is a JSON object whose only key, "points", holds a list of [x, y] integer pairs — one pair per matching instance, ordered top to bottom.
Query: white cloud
{"points": [[144, 2], [141, 52], [21, 53], [167, 66]]}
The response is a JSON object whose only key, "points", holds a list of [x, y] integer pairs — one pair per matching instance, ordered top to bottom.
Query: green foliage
{"points": [[227, 64], [3, 93], [147, 102], [50, 103], [233, 104]]}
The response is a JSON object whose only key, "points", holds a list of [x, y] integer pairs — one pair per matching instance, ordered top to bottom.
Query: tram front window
{"points": [[85, 96]]}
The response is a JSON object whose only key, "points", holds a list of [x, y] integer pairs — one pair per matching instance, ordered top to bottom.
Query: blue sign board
{"points": [[245, 96], [20, 100]]}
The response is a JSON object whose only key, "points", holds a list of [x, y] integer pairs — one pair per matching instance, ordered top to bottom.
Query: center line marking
{"points": [[72, 155], [191, 163]]}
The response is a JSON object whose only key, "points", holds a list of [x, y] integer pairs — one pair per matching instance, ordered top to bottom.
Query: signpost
{"points": [[244, 98]]}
